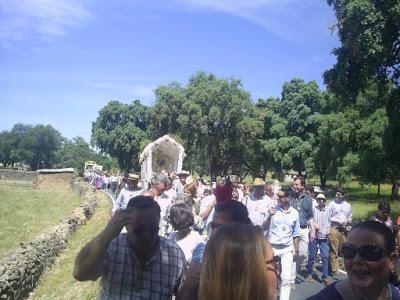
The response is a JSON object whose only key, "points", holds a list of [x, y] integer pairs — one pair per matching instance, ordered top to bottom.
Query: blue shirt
{"points": [[304, 206], [284, 227]]}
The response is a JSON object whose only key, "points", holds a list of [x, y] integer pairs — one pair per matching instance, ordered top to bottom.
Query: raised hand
{"points": [[120, 219]]}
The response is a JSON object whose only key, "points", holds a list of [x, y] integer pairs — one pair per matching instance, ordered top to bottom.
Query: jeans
{"points": [[114, 186], [324, 249], [286, 255]]}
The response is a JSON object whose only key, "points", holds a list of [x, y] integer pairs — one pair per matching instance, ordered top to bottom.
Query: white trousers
{"points": [[303, 253], [286, 255]]}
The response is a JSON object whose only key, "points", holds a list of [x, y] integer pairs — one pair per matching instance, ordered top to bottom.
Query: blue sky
{"points": [[61, 61]]}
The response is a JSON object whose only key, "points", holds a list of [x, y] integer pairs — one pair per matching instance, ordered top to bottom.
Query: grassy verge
{"points": [[364, 199], [26, 212], [58, 283]]}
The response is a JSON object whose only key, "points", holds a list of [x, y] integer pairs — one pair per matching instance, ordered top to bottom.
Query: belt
{"points": [[303, 226], [340, 229]]}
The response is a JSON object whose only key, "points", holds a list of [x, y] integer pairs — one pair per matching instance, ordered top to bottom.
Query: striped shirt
{"points": [[321, 217], [124, 278]]}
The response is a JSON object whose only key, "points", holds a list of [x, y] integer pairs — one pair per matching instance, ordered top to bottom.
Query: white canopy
{"points": [[164, 154]]}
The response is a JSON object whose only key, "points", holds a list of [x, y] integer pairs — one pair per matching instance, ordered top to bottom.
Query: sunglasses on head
{"points": [[139, 230], [366, 252]]}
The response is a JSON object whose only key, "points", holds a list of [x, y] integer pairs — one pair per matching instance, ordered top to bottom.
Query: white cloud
{"points": [[44, 18], [292, 20], [131, 89]]}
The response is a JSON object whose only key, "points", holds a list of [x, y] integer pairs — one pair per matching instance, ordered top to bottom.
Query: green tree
{"points": [[369, 34], [369, 52], [167, 109], [211, 116], [214, 121], [290, 126], [120, 131], [44, 142], [33, 145], [5, 148], [74, 153], [373, 164]]}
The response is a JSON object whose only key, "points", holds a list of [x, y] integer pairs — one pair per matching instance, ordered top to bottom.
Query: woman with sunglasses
{"points": [[369, 260]]}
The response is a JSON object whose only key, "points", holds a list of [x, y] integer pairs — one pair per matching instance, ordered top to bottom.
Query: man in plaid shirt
{"points": [[321, 225], [138, 264]]}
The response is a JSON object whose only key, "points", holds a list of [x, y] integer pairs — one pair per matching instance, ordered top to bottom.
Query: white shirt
{"points": [[178, 187], [170, 193], [240, 195], [123, 198], [164, 201], [205, 202], [258, 208], [340, 210], [284, 226], [188, 243]]}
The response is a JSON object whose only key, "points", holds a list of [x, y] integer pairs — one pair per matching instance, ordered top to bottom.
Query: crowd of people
{"points": [[226, 240]]}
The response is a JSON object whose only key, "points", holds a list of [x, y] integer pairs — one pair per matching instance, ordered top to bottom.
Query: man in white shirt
{"points": [[114, 182], [181, 182], [158, 185], [169, 190], [128, 192], [237, 193], [270, 194], [257, 203], [207, 206], [340, 214], [282, 229]]}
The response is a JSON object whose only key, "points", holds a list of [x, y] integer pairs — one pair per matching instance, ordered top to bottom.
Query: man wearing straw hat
{"points": [[181, 182], [129, 191], [257, 203]]}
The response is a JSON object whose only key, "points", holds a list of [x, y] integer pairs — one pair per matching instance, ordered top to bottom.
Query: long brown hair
{"points": [[234, 264]]}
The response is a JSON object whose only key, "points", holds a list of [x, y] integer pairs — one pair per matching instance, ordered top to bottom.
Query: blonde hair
{"points": [[190, 189], [234, 264]]}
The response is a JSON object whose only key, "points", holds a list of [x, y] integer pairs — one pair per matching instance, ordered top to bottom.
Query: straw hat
{"points": [[183, 172], [133, 177], [189, 180], [258, 182], [317, 189]]}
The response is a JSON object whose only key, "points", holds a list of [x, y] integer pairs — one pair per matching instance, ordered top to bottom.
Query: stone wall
{"points": [[15, 175], [20, 270]]}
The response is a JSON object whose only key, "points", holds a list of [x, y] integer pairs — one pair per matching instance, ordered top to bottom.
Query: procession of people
{"points": [[224, 240]]}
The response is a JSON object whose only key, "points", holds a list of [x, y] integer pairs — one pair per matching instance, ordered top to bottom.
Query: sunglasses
{"points": [[140, 230], [366, 252]]}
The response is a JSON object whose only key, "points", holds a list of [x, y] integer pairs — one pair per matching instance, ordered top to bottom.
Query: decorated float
{"points": [[163, 155]]}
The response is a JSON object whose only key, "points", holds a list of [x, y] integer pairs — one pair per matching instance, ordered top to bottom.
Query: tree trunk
{"points": [[213, 173], [281, 176], [322, 179], [379, 189], [395, 191]]}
